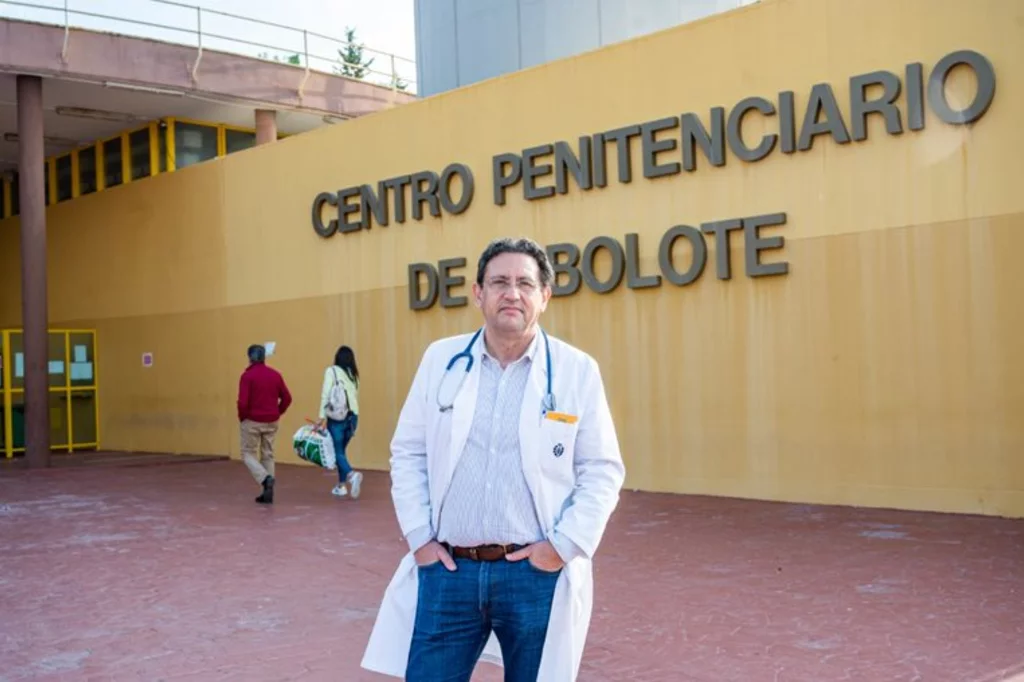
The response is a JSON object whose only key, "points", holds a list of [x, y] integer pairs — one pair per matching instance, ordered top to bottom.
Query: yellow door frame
{"points": [[67, 389], [8, 412]]}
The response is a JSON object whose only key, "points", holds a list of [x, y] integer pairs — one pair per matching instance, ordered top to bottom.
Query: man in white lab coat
{"points": [[505, 469]]}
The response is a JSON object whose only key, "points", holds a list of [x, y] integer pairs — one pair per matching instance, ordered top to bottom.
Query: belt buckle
{"points": [[473, 554]]}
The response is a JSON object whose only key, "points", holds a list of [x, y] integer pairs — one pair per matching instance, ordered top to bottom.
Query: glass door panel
{"points": [[17, 361], [56, 362], [82, 362], [83, 418], [58, 419], [18, 421]]}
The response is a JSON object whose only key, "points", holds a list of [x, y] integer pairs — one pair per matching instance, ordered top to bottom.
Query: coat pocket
{"points": [[558, 447]]}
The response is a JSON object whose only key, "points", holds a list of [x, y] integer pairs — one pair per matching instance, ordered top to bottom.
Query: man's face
{"points": [[511, 297]]}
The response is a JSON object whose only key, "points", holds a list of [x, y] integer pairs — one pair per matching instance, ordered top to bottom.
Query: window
{"points": [[237, 140], [193, 144], [161, 146], [139, 151], [86, 171], [113, 171], [63, 177]]}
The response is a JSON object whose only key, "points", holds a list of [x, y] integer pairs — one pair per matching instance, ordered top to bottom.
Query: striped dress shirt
{"points": [[489, 501]]}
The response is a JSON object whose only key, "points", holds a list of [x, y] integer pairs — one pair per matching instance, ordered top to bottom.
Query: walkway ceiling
{"points": [[78, 113]]}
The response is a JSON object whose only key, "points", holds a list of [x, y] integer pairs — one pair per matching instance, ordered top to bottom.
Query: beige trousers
{"points": [[258, 436]]}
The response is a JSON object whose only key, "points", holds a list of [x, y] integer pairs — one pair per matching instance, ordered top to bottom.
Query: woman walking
{"points": [[339, 413]]}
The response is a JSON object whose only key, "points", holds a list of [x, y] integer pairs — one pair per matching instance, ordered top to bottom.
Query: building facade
{"points": [[460, 42], [86, 111], [796, 265]]}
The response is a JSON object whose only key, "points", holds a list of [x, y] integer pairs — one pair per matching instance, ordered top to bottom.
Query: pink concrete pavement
{"points": [[173, 573]]}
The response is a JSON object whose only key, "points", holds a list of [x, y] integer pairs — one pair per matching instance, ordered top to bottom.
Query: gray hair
{"points": [[522, 245], [256, 353]]}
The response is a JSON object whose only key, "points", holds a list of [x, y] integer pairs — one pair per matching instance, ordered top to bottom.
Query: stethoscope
{"points": [[549, 399]]}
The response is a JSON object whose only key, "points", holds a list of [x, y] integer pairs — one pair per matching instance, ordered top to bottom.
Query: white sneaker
{"points": [[355, 480], [339, 491]]}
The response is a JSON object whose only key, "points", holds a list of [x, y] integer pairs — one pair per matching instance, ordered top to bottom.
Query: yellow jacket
{"points": [[332, 374]]}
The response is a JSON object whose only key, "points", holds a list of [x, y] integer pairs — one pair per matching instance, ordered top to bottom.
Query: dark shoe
{"points": [[267, 496]]}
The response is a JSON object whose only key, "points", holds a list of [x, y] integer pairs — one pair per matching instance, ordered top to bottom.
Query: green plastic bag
{"points": [[314, 446]]}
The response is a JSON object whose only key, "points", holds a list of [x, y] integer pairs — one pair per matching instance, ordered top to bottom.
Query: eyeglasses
{"points": [[503, 285]]}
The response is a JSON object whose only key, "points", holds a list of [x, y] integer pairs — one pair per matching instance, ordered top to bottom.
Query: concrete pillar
{"points": [[266, 126], [34, 314]]}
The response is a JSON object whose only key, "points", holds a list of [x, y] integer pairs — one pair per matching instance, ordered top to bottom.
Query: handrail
{"points": [[67, 34], [334, 64]]}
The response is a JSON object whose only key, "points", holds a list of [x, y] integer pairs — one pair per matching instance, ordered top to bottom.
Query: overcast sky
{"points": [[385, 25]]}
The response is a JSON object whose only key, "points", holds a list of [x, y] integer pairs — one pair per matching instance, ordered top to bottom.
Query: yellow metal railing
{"points": [[74, 381]]}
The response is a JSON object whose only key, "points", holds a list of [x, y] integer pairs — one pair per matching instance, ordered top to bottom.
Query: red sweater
{"points": [[262, 394]]}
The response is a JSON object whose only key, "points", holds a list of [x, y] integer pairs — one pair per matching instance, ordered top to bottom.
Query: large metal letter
{"points": [[986, 78], [700, 254]]}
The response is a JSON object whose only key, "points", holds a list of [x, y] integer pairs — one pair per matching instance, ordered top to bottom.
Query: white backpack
{"points": [[337, 400]]}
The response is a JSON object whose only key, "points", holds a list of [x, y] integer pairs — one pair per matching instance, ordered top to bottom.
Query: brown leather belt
{"points": [[481, 552]]}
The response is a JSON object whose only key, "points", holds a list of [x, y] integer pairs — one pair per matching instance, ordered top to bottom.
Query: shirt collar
{"points": [[528, 356]]}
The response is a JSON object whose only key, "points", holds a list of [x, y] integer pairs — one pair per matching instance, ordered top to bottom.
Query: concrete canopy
{"points": [[104, 83]]}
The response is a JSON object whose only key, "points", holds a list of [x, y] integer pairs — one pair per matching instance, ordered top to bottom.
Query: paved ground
{"points": [[172, 573]]}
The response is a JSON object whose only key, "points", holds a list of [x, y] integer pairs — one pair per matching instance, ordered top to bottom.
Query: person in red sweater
{"points": [[262, 398]]}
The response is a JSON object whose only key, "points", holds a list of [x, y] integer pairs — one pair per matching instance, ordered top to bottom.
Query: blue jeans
{"points": [[341, 433], [456, 612]]}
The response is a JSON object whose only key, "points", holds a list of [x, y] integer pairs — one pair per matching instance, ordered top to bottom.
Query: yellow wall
{"points": [[883, 369]]}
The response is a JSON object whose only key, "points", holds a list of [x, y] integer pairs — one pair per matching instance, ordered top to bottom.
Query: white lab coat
{"points": [[577, 491]]}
